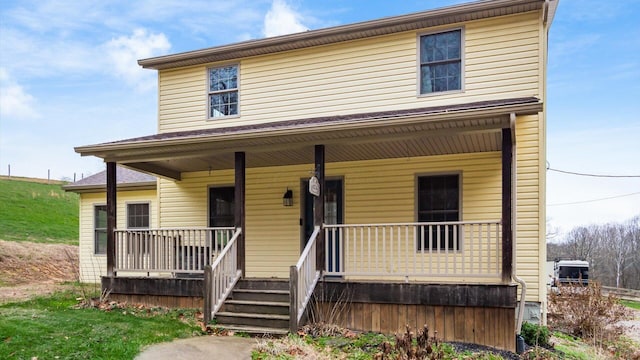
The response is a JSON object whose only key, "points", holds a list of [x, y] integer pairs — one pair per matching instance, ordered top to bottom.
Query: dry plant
{"points": [[75, 264], [92, 294], [326, 311], [583, 311], [288, 347], [425, 347], [538, 353]]}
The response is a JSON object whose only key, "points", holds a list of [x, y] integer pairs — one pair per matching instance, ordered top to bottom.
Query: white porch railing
{"points": [[455, 250], [174, 251], [221, 277], [303, 279]]}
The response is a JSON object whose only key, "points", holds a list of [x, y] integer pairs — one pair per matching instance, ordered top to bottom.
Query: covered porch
{"points": [[392, 244]]}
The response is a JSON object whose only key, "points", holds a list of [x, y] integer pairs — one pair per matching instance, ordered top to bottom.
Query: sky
{"points": [[69, 77]]}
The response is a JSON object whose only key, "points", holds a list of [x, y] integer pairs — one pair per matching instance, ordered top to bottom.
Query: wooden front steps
{"points": [[257, 306]]}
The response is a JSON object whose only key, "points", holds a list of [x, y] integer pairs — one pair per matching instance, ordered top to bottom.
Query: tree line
{"points": [[612, 250]]}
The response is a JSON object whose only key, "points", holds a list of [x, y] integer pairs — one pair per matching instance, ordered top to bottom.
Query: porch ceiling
{"points": [[365, 136], [358, 146]]}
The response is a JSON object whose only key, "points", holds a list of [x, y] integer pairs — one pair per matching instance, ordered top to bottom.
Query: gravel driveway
{"points": [[632, 327]]}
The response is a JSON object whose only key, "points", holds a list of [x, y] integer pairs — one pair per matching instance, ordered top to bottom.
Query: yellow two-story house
{"points": [[394, 165]]}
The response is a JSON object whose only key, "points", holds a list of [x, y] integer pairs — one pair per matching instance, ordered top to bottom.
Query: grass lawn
{"points": [[31, 211], [631, 304], [53, 328]]}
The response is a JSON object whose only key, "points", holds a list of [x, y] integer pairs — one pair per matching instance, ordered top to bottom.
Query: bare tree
{"points": [[552, 231], [582, 242], [618, 247], [613, 251], [632, 269]]}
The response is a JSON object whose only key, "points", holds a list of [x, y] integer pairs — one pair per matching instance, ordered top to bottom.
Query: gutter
{"points": [[549, 12], [297, 129], [92, 188]]}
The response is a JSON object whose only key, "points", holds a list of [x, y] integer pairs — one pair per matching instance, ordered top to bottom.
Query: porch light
{"points": [[287, 199]]}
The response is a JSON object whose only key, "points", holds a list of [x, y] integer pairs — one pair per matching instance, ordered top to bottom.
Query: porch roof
{"points": [[460, 128], [127, 179]]}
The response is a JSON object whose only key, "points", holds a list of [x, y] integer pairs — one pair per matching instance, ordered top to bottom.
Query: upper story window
{"points": [[441, 62], [223, 91]]}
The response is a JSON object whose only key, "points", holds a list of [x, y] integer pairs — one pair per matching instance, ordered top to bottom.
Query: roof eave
{"points": [[551, 8], [384, 26], [102, 150], [93, 188]]}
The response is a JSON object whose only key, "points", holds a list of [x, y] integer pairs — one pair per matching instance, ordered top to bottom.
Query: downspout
{"points": [[514, 276]]}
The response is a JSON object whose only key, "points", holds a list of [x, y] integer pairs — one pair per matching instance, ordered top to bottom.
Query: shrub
{"points": [[583, 311], [535, 335], [409, 348]]}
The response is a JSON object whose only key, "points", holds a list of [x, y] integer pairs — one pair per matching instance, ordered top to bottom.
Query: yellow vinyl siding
{"points": [[502, 59], [375, 74], [542, 164], [376, 191], [529, 230], [272, 232], [93, 266]]}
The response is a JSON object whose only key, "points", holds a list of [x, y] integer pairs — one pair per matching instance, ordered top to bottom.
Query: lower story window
{"points": [[439, 201], [221, 207], [221, 211], [138, 216], [100, 229]]}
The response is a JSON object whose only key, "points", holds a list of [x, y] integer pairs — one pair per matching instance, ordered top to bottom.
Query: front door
{"points": [[333, 214]]}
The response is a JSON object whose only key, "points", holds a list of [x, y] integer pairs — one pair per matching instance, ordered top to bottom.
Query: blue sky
{"points": [[69, 77]]}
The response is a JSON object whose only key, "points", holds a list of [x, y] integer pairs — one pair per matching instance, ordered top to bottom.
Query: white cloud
{"points": [[281, 19], [124, 52], [15, 102]]}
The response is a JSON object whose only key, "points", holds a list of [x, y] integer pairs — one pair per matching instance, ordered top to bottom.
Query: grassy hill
{"points": [[31, 210]]}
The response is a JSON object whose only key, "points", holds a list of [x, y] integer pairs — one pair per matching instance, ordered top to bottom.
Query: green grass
{"points": [[31, 211], [631, 304], [52, 328]]}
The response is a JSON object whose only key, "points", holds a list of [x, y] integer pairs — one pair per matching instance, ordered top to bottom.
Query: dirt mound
{"points": [[31, 269]]}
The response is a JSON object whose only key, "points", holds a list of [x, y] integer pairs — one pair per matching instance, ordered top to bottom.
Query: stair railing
{"points": [[221, 277], [303, 278]]}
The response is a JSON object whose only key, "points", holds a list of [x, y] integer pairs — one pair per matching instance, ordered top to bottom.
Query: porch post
{"points": [[507, 198], [239, 200], [318, 207], [111, 217]]}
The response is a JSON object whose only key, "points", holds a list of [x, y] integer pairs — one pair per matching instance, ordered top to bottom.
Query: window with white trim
{"points": [[441, 62], [223, 91], [439, 201], [100, 229]]}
